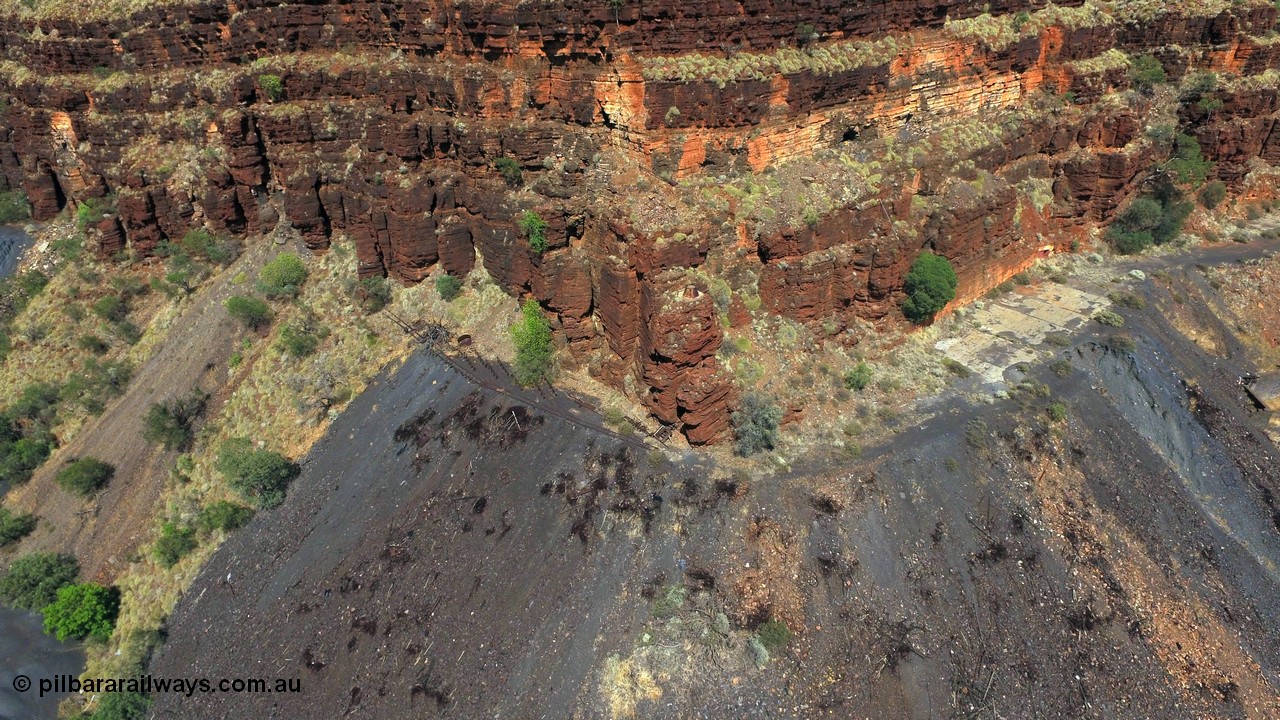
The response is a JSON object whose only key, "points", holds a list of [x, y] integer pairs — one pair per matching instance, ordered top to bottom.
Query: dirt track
{"points": [[103, 532], [449, 553]]}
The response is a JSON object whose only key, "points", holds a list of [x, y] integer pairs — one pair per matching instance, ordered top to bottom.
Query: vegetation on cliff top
{"points": [[96, 11], [997, 32], [821, 60]]}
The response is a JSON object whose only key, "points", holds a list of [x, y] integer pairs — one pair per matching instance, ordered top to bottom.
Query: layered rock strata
{"points": [[801, 152]]}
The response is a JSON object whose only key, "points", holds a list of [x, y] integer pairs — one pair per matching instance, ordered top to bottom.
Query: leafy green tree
{"points": [[1146, 72], [272, 85], [1188, 164], [1142, 214], [1150, 220], [534, 228], [282, 276], [930, 285], [448, 286], [534, 349], [755, 424], [20, 458], [258, 474], [85, 476], [15, 527], [174, 543], [32, 581], [83, 611]]}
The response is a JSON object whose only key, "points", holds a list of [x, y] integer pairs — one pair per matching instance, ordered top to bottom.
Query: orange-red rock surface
{"points": [[393, 116]]}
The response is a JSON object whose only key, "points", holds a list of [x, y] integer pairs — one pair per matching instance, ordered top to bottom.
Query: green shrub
{"points": [[806, 33], [1146, 72], [1198, 84], [272, 85], [510, 171], [1212, 195], [14, 207], [92, 210], [1142, 214], [1153, 219], [534, 228], [1129, 243], [207, 246], [282, 276], [930, 285], [26, 286], [448, 286], [373, 293], [1127, 299], [111, 308], [253, 313], [1108, 318], [127, 332], [297, 341], [93, 344], [1121, 344], [534, 349], [956, 368], [1061, 368], [859, 377], [96, 382], [37, 404], [1057, 411], [171, 423], [755, 424], [977, 434], [25, 437], [20, 458], [258, 474], [85, 476], [223, 515], [15, 527], [174, 544], [33, 581], [669, 603], [83, 611], [773, 634], [121, 706]]}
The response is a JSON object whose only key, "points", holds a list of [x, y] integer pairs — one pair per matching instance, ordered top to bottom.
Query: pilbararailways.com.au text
{"points": [[148, 685]]}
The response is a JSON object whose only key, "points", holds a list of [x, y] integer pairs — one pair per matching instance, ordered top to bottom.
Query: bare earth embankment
{"points": [[450, 553]]}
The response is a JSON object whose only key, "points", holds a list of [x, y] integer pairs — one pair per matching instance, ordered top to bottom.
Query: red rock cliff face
{"points": [[391, 117]]}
